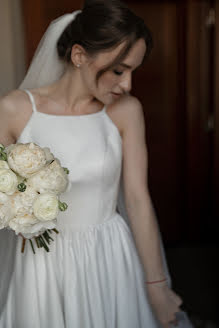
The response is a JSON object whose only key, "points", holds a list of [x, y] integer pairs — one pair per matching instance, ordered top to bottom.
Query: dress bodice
{"points": [[90, 146]]}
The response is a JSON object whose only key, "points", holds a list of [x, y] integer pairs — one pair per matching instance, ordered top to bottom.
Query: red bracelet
{"points": [[153, 282]]}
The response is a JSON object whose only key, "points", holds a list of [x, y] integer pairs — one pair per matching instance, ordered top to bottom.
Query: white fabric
{"points": [[46, 67], [92, 277]]}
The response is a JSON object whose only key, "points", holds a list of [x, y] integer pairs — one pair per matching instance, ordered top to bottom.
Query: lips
{"points": [[117, 94]]}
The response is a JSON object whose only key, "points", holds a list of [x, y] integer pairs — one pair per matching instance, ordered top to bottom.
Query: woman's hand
{"points": [[165, 303]]}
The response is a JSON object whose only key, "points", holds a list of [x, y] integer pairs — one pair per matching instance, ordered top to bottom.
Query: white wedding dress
{"points": [[92, 277]]}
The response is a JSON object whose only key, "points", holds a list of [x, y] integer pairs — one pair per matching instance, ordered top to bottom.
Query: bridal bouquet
{"points": [[31, 181]]}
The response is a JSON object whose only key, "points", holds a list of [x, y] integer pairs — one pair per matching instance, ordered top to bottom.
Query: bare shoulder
{"points": [[12, 102], [15, 109], [126, 112]]}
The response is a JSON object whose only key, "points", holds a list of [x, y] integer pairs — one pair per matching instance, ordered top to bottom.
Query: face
{"points": [[112, 84]]}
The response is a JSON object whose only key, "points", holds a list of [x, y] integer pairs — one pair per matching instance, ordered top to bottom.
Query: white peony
{"points": [[9, 148], [48, 154], [26, 159], [3, 165], [51, 178], [8, 181], [3, 198], [22, 202], [46, 206], [6, 212], [29, 226]]}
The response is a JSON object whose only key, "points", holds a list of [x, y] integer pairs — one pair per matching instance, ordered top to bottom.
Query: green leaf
{"points": [[3, 156], [66, 170], [63, 206], [32, 246]]}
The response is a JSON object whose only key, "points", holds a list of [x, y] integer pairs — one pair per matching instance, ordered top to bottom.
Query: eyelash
{"points": [[117, 72]]}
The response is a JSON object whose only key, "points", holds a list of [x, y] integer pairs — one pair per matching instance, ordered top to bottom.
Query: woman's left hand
{"points": [[165, 303]]}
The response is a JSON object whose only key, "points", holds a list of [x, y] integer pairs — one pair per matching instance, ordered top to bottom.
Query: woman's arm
{"points": [[137, 198], [141, 213]]}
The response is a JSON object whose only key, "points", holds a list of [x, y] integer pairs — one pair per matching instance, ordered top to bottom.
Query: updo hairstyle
{"points": [[101, 26]]}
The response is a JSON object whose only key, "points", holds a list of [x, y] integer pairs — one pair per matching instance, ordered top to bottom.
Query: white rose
{"points": [[9, 148], [48, 154], [26, 159], [3, 165], [51, 178], [8, 181], [3, 198], [22, 202], [46, 206], [6, 212], [29, 226]]}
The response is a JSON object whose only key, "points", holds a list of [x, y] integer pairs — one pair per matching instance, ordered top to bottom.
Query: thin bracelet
{"points": [[153, 282]]}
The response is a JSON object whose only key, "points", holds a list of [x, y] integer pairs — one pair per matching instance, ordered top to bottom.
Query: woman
{"points": [[78, 105]]}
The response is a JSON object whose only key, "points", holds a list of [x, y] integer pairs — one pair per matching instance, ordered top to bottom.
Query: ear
{"points": [[78, 55]]}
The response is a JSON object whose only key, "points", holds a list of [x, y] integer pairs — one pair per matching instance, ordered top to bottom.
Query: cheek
{"points": [[108, 80]]}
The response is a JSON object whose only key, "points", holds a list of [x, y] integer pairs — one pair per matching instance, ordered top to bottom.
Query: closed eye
{"points": [[117, 72]]}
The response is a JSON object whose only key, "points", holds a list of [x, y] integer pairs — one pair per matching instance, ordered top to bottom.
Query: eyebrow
{"points": [[125, 65]]}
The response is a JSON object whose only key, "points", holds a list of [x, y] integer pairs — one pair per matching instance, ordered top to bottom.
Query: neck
{"points": [[70, 91]]}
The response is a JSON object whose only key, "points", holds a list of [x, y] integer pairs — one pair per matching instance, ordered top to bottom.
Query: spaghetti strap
{"points": [[32, 100]]}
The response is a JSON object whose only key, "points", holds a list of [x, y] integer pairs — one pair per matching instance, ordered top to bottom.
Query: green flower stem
{"points": [[46, 238], [36, 240], [41, 240], [44, 244], [23, 245], [32, 246]]}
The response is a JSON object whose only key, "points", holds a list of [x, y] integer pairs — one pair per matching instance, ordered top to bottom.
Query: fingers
{"points": [[177, 299], [174, 323], [171, 324]]}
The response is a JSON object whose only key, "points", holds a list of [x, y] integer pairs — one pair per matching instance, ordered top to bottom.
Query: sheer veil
{"points": [[46, 68]]}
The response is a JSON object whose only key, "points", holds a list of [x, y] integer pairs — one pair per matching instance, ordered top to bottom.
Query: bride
{"points": [[106, 268]]}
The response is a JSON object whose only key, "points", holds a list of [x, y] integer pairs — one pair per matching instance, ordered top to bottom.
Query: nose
{"points": [[126, 83]]}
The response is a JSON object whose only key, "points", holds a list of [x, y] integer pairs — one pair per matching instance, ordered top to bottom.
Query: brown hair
{"points": [[103, 25]]}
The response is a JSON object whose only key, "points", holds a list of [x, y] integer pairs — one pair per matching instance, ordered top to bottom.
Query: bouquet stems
{"points": [[42, 240]]}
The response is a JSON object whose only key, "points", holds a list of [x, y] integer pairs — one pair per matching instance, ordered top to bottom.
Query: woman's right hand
{"points": [[166, 304]]}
